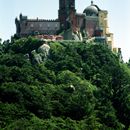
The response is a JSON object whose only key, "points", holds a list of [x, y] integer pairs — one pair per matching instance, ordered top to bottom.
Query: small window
{"points": [[32, 25], [40, 25], [56, 25], [48, 26]]}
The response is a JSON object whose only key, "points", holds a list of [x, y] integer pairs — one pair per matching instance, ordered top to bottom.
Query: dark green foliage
{"points": [[25, 45], [79, 86], [11, 112], [50, 124]]}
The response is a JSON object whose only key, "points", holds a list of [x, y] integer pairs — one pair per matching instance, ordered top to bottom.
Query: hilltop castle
{"points": [[70, 24]]}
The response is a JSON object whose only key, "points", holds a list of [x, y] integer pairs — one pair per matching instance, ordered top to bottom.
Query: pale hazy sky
{"points": [[118, 16]]}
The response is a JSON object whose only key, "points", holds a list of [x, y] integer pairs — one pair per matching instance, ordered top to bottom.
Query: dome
{"points": [[91, 10]]}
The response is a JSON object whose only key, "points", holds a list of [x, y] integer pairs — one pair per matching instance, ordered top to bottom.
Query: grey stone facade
{"points": [[27, 27]]}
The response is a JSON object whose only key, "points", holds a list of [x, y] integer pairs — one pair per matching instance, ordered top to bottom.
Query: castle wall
{"points": [[67, 14], [80, 20], [103, 22], [91, 23], [39, 26]]}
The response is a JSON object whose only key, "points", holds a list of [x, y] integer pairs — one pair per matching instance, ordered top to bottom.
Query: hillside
{"points": [[63, 86]]}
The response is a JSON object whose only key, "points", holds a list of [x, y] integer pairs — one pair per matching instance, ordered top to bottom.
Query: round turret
{"points": [[91, 10]]}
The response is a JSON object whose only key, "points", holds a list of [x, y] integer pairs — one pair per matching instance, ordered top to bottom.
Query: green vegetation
{"points": [[78, 86]]}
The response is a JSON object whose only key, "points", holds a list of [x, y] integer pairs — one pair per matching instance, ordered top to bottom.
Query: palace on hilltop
{"points": [[92, 22]]}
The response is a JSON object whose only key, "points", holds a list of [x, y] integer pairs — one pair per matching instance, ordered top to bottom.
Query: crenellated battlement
{"points": [[25, 18], [43, 20]]}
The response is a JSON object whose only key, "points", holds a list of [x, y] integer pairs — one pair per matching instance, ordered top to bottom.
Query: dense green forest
{"points": [[69, 86]]}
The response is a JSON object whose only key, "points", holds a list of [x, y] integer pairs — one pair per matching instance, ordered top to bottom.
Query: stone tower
{"points": [[66, 13]]}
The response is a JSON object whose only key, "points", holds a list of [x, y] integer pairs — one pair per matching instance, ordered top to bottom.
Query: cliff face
{"points": [[77, 86]]}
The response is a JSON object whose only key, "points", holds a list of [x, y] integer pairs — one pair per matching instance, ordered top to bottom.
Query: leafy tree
{"points": [[80, 86]]}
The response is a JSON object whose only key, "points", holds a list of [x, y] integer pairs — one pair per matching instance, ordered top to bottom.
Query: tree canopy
{"points": [[77, 86]]}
